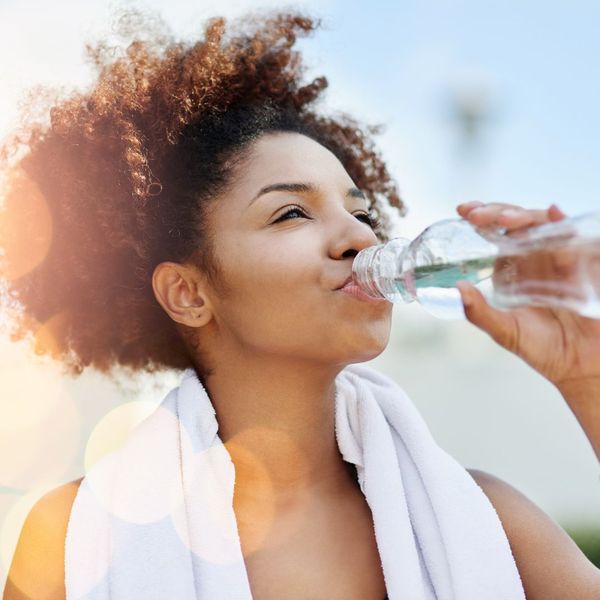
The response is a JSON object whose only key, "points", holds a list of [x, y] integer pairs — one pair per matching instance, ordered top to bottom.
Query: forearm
{"points": [[583, 398]]}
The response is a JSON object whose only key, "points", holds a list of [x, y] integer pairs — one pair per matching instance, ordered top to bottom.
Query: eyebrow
{"points": [[302, 188]]}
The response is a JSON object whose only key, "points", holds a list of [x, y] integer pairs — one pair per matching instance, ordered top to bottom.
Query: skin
{"points": [[276, 334]]}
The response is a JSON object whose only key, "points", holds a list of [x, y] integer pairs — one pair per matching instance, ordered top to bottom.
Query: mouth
{"points": [[348, 280], [357, 292]]}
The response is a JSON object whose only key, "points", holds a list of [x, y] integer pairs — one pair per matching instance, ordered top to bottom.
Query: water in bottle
{"points": [[556, 264]]}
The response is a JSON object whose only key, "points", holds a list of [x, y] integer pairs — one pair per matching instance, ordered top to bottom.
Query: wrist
{"points": [[580, 390], [583, 398]]}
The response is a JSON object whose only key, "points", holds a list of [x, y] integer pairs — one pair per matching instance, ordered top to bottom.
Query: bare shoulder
{"points": [[550, 563], [37, 568]]}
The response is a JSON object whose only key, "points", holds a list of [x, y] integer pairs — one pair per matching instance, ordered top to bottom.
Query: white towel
{"points": [[155, 520]]}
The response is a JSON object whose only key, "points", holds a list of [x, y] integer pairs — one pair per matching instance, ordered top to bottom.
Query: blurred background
{"points": [[492, 101]]}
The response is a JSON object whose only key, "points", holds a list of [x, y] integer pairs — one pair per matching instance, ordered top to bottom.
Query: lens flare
{"points": [[26, 227], [40, 424], [114, 428]]}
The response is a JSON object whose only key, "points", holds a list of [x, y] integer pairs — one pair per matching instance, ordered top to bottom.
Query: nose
{"points": [[351, 236]]}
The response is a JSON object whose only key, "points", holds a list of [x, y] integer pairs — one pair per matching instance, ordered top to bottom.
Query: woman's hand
{"points": [[560, 344]]}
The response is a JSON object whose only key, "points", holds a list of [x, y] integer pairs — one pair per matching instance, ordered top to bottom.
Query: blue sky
{"points": [[537, 60], [399, 63]]}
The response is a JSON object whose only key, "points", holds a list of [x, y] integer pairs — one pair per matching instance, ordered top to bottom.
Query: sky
{"points": [[536, 60], [405, 65]]}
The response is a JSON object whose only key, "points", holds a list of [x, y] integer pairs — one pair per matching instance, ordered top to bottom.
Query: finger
{"points": [[481, 208], [464, 209], [555, 213], [488, 214], [520, 217], [510, 218], [500, 325]]}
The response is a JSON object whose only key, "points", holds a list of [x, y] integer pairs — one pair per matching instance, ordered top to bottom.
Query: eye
{"points": [[285, 215], [365, 217], [372, 222]]}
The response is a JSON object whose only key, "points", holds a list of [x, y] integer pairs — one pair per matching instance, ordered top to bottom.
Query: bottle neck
{"points": [[364, 270], [378, 270]]}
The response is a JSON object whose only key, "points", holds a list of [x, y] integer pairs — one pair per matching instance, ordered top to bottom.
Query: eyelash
{"points": [[370, 221]]}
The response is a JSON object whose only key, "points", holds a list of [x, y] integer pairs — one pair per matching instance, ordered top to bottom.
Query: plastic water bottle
{"points": [[556, 264]]}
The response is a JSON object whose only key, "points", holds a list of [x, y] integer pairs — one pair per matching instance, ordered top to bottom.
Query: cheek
{"points": [[276, 277], [268, 286], [273, 299], [280, 303], [303, 326]]}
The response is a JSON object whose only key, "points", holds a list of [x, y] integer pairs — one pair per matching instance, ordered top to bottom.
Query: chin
{"points": [[371, 351]]}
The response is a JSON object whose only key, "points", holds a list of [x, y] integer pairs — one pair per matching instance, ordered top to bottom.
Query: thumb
{"points": [[500, 325]]}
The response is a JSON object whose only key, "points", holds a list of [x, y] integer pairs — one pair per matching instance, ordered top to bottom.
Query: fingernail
{"points": [[471, 203]]}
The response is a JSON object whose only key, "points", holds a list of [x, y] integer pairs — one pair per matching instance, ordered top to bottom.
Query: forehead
{"points": [[280, 156]]}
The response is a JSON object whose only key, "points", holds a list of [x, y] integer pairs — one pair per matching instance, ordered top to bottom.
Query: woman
{"points": [[205, 217]]}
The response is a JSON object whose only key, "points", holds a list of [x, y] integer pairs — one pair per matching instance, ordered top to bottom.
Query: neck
{"points": [[277, 421]]}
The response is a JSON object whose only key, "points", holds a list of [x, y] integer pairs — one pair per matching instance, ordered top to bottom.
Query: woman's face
{"points": [[282, 271]]}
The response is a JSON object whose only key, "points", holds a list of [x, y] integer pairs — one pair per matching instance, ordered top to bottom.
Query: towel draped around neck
{"points": [[154, 520]]}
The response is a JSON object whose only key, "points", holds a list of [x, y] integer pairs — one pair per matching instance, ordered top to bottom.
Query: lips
{"points": [[348, 280], [350, 287], [353, 290]]}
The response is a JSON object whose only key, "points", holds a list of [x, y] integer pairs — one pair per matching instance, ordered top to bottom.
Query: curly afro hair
{"points": [[120, 178]]}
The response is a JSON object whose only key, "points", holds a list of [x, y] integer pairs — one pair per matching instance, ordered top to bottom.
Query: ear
{"points": [[179, 290]]}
